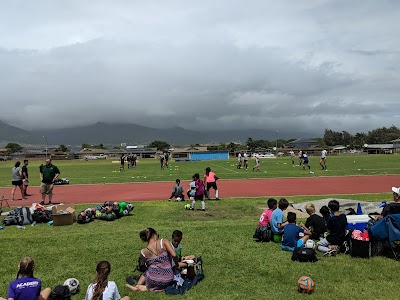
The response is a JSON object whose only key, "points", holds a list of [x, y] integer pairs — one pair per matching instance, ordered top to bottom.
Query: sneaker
{"points": [[24, 198], [217, 198], [169, 199], [41, 203], [50, 203], [192, 208], [203, 209], [335, 247], [330, 253]]}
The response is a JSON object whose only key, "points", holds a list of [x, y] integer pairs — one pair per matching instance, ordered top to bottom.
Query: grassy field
{"points": [[105, 171], [235, 266]]}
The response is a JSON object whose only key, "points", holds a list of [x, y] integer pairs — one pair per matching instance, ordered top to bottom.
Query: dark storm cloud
{"points": [[222, 64]]}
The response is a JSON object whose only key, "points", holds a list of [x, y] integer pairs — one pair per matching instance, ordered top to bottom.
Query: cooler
{"points": [[357, 221]]}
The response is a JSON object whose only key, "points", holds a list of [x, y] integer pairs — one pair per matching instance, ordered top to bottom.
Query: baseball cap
{"points": [[396, 190]]}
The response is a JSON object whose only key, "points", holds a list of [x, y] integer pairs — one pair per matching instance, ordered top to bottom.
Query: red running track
{"points": [[277, 187]]}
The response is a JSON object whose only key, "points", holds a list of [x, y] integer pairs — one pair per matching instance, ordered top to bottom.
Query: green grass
{"points": [[105, 171], [235, 266]]}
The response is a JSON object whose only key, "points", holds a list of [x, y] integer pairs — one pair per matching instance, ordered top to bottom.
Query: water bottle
{"points": [[1, 227], [20, 227]]}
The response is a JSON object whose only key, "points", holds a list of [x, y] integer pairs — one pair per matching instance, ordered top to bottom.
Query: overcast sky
{"points": [[279, 65]]}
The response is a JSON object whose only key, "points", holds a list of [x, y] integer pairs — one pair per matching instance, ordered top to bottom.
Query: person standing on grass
{"points": [[300, 154], [292, 156], [239, 159], [245, 159], [322, 160], [122, 161], [305, 161], [257, 166], [16, 172], [48, 175], [25, 177], [210, 181], [199, 194], [27, 287], [101, 288]]}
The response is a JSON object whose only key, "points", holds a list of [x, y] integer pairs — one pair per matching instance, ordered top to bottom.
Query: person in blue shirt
{"points": [[277, 218], [293, 235]]}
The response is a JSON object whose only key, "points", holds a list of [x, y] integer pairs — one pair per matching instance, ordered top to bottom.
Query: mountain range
{"points": [[131, 134]]}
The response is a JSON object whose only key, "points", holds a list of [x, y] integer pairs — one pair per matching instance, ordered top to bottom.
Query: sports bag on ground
{"points": [[263, 234], [360, 248], [304, 255], [141, 265], [60, 292]]}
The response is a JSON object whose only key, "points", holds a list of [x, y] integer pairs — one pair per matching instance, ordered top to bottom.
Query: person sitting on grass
{"points": [[177, 191], [392, 208], [325, 213], [265, 218], [277, 218], [315, 223], [337, 231], [292, 234], [158, 256], [27, 286], [101, 288]]}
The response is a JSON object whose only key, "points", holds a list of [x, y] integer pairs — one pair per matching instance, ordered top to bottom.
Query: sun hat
{"points": [[396, 190]]}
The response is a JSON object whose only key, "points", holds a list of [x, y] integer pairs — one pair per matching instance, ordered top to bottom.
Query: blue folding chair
{"points": [[387, 229]]}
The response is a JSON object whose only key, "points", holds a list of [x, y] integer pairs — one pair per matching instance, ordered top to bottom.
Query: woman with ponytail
{"points": [[158, 256], [25, 286], [102, 288]]}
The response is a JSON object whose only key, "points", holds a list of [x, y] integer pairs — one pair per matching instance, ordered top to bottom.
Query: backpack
{"points": [[18, 216], [25, 216], [42, 216], [10, 220], [263, 234], [304, 255], [141, 265], [60, 292]]}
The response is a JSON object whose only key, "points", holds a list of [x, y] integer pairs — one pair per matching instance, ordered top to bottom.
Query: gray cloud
{"points": [[303, 65]]}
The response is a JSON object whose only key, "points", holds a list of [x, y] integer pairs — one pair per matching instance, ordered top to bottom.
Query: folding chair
{"points": [[2, 199], [388, 229]]}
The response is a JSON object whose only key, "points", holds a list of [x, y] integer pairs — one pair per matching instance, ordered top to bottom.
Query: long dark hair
{"points": [[17, 164], [147, 234], [26, 267], [103, 269]]}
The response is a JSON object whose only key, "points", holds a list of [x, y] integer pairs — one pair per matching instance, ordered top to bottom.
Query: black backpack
{"points": [[263, 234], [304, 255], [141, 265], [60, 292]]}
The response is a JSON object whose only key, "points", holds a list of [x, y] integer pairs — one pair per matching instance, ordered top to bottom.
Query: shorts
{"points": [[323, 158], [16, 182], [25, 182], [211, 185], [46, 188], [199, 197], [300, 244]]}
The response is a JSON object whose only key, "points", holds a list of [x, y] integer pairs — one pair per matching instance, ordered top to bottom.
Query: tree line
{"points": [[383, 135]]}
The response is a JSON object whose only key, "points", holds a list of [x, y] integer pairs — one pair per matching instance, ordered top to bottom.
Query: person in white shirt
{"points": [[292, 156], [239, 158], [245, 160], [322, 160], [257, 166], [102, 288]]}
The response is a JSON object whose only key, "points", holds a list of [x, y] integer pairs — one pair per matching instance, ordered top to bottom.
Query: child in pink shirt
{"points": [[265, 218]]}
